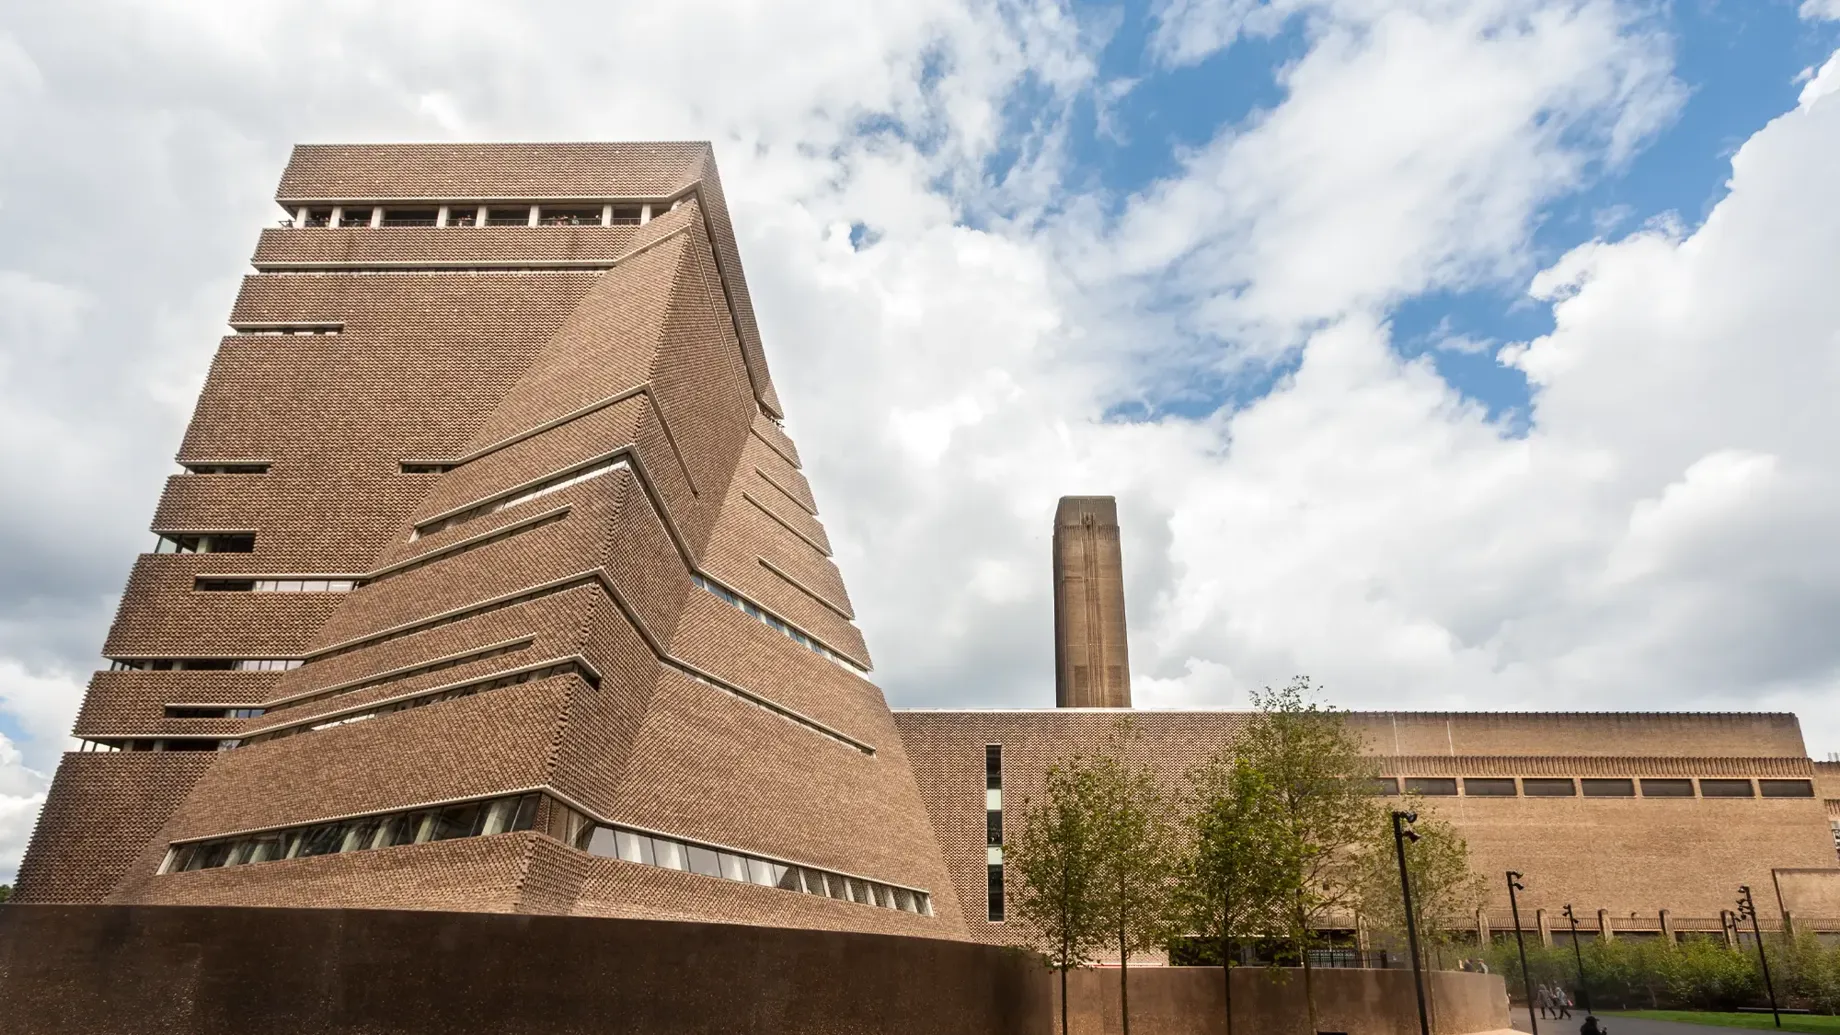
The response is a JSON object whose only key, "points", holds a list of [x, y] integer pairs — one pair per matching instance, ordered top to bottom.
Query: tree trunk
{"points": [[1226, 958], [1309, 982], [1124, 983], [1063, 995]]}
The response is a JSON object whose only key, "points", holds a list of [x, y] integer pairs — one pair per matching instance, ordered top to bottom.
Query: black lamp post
{"points": [[1401, 834], [1514, 885], [1747, 908], [1584, 993]]}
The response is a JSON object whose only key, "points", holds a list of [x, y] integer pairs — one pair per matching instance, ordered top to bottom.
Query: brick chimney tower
{"points": [[1091, 668]]}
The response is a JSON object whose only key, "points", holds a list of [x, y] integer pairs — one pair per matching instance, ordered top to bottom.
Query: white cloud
{"points": [[1814, 10], [1413, 150]]}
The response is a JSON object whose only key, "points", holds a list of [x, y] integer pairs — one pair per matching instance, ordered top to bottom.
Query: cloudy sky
{"points": [[1458, 353]]}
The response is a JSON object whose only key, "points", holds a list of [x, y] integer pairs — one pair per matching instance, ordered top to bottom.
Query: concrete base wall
{"points": [[101, 970], [1188, 1001]]}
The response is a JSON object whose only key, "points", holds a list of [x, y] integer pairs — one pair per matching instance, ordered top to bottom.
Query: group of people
{"points": [[1553, 1001]]}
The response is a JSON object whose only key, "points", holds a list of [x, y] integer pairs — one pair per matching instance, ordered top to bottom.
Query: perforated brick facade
{"points": [[465, 453], [1631, 856]]}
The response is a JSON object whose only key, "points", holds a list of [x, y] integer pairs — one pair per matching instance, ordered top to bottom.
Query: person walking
{"points": [[1542, 998], [1563, 1000]]}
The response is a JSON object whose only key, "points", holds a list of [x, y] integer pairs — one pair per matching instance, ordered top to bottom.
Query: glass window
{"points": [[463, 215], [508, 215], [625, 215], [409, 216], [570, 216], [318, 217], [993, 767], [1385, 785], [1431, 785], [1488, 786], [1548, 787], [1609, 788], [1667, 788], [1787, 788], [1726, 789], [499, 815], [458, 821], [993, 827], [406, 829], [360, 834], [322, 840], [604, 842], [263, 847], [636, 848], [669, 854], [704, 861], [734, 867], [761, 872], [994, 893], [904, 900]]}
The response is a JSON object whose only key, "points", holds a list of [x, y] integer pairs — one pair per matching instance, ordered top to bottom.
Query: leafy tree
{"points": [[1321, 783], [1137, 859], [1054, 862], [1231, 880], [6, 892], [1446, 892]]}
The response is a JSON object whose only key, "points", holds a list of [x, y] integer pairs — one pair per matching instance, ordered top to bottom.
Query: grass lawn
{"points": [[1820, 1023]]}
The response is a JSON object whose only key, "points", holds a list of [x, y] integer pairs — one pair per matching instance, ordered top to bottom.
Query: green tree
{"points": [[1322, 784], [1137, 859], [1054, 863], [1231, 879], [6, 892], [1446, 892]]}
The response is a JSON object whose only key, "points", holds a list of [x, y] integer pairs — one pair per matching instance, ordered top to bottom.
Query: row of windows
{"points": [[457, 214], [288, 328], [412, 467], [225, 468], [555, 483], [205, 542], [468, 545], [226, 585], [741, 603], [484, 607], [496, 650], [204, 664], [467, 689], [211, 711], [785, 713], [157, 744], [1617, 787], [502, 815], [467, 819], [993, 832], [673, 854]]}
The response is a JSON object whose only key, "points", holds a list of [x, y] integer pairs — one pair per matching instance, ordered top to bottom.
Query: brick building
{"points": [[491, 582]]}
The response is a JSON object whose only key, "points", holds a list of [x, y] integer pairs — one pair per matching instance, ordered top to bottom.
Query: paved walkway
{"points": [[1614, 1025]]}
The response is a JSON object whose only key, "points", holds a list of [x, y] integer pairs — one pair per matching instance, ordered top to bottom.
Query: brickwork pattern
{"points": [[1624, 855]]}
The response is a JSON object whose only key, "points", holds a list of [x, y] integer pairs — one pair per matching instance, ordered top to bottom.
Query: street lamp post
{"points": [[1401, 834], [1514, 885], [1747, 908], [1584, 993]]}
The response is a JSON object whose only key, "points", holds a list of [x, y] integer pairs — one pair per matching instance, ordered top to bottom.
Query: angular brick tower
{"points": [[492, 582], [1092, 668]]}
